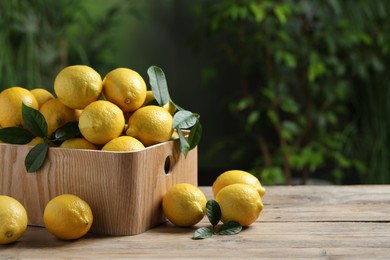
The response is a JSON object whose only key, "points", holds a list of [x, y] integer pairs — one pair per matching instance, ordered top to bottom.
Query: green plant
{"points": [[38, 38], [297, 65]]}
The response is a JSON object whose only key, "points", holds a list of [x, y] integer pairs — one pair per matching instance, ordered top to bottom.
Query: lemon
{"points": [[77, 86], [125, 88], [41, 95], [149, 97], [11, 100], [170, 107], [57, 114], [101, 121], [150, 125], [36, 140], [78, 143], [123, 144], [237, 176], [239, 202], [184, 204], [67, 217], [13, 219]]}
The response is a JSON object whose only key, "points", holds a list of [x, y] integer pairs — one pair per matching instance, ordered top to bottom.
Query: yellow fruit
{"points": [[77, 86], [125, 88], [41, 95], [149, 97], [11, 100], [170, 107], [57, 114], [101, 121], [150, 125], [36, 140], [78, 143], [123, 144], [237, 176], [239, 202], [184, 204], [67, 217], [13, 219]]}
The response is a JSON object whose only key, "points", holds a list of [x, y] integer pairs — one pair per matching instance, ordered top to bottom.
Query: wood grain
{"points": [[124, 190], [280, 233]]}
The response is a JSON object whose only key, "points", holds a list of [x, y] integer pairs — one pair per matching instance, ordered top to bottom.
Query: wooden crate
{"points": [[124, 190]]}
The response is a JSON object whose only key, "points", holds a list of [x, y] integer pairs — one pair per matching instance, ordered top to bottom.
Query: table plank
{"points": [[327, 203], [290, 227]]}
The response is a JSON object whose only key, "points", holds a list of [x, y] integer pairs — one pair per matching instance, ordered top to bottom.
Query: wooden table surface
{"points": [[320, 222]]}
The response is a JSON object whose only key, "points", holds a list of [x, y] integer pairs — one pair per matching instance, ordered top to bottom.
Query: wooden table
{"points": [[322, 222]]}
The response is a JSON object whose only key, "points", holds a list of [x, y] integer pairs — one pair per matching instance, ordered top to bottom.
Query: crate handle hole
{"points": [[167, 165]]}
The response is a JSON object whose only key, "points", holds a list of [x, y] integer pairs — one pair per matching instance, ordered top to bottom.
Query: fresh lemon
{"points": [[77, 86], [125, 88], [41, 95], [149, 97], [11, 100], [170, 107], [57, 114], [101, 121], [150, 125], [36, 140], [78, 143], [123, 144], [237, 176], [239, 202], [184, 204], [67, 217], [13, 219]]}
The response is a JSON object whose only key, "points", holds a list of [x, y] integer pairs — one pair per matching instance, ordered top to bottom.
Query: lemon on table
{"points": [[77, 86], [125, 88], [41, 95], [11, 100], [57, 114], [101, 121], [150, 125], [78, 143], [123, 144], [237, 176], [239, 202], [184, 204], [67, 217], [13, 219]]}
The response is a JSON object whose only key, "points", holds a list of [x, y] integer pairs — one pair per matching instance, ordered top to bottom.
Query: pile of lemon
{"points": [[114, 113], [237, 192], [65, 216]]}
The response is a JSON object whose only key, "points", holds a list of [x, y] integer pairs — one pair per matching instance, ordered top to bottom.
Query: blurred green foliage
{"points": [[38, 38], [305, 82], [311, 85]]}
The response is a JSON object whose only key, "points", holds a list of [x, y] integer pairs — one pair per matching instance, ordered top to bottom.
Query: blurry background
{"points": [[294, 91]]}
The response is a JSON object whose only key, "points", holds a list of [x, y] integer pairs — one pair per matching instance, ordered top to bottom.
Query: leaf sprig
{"points": [[182, 119], [36, 126], [213, 213]]}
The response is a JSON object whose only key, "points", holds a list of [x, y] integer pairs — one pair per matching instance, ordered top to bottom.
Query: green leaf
{"points": [[159, 85], [184, 119], [34, 120], [68, 131], [15, 135], [195, 135], [184, 145], [36, 157], [213, 212], [230, 228], [202, 232]]}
